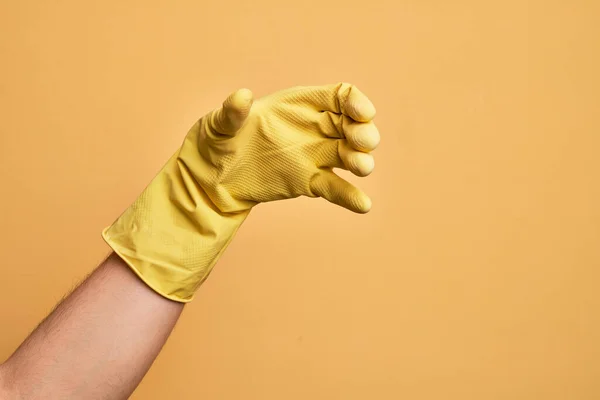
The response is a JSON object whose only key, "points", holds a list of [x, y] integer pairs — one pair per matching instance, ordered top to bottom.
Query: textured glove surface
{"points": [[281, 146]]}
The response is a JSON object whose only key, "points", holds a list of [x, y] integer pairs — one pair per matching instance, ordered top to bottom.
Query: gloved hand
{"points": [[282, 146]]}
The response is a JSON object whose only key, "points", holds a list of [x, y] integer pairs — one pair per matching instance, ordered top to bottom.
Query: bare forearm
{"points": [[97, 344]]}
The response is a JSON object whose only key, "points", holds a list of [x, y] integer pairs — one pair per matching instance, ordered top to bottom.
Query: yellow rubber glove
{"points": [[281, 146]]}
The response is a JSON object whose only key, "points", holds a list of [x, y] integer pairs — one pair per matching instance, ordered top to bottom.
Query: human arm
{"points": [[244, 153], [98, 343]]}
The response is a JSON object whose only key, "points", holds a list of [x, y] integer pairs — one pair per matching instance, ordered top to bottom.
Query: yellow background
{"points": [[476, 274]]}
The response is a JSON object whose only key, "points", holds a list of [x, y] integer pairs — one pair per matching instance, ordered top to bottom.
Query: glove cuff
{"points": [[173, 234]]}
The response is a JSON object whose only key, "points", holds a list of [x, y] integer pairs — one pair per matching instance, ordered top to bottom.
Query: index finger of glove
{"points": [[340, 98]]}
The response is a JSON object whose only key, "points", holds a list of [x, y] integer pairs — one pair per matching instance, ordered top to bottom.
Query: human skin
{"points": [[98, 343]]}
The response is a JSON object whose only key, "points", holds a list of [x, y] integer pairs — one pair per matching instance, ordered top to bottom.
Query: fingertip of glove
{"points": [[242, 97], [239, 101], [360, 108], [364, 110], [360, 164], [365, 164], [364, 206]]}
